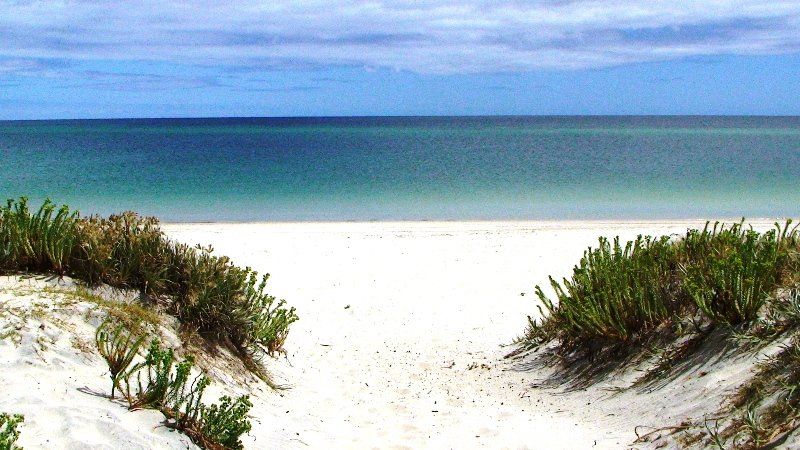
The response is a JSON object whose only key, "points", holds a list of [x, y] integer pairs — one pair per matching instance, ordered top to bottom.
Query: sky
{"points": [[108, 59]]}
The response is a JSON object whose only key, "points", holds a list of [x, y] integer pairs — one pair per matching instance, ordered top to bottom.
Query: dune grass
{"points": [[208, 293], [621, 293], [622, 297], [118, 348], [159, 381], [8, 431]]}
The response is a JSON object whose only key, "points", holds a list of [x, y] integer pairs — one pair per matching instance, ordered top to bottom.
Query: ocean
{"points": [[409, 168]]}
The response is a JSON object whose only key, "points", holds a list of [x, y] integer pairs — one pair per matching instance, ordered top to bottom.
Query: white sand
{"points": [[426, 300], [393, 317], [50, 372]]}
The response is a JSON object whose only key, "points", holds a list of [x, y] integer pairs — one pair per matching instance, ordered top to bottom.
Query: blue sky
{"points": [[87, 59]]}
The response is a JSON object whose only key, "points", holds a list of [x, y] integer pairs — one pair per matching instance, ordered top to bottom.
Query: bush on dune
{"points": [[37, 242], [732, 278], [206, 292], [615, 292], [618, 294], [118, 348], [162, 383]]}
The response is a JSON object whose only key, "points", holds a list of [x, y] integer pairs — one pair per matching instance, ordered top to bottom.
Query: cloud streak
{"points": [[419, 36]]}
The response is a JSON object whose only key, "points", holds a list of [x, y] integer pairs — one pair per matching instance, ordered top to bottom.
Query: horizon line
{"points": [[402, 116]]}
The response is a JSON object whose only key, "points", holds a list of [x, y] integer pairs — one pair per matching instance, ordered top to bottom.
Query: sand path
{"points": [[402, 328]]}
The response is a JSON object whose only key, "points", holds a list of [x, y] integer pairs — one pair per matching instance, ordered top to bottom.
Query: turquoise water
{"points": [[410, 168]]}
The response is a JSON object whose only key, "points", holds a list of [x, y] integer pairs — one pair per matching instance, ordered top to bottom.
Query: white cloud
{"points": [[422, 36]]}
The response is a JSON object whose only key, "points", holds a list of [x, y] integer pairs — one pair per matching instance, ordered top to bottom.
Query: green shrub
{"points": [[40, 242], [125, 251], [731, 272], [615, 291], [206, 292], [620, 293], [231, 300], [270, 319], [118, 347], [159, 382], [162, 383], [145, 385], [227, 421], [8, 431]]}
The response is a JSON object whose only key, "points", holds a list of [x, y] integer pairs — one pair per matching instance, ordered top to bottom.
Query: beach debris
{"points": [[474, 365]]}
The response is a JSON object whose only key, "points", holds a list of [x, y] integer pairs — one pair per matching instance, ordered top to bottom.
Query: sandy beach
{"points": [[404, 327], [400, 344]]}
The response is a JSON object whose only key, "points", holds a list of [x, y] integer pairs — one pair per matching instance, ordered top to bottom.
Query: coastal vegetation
{"points": [[208, 294], [622, 294], [624, 300], [162, 383], [8, 430]]}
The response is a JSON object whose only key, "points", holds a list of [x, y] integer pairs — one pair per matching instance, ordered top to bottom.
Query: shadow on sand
{"points": [[644, 367]]}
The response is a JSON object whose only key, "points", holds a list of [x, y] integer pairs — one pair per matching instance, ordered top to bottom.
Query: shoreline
{"points": [[499, 223]]}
